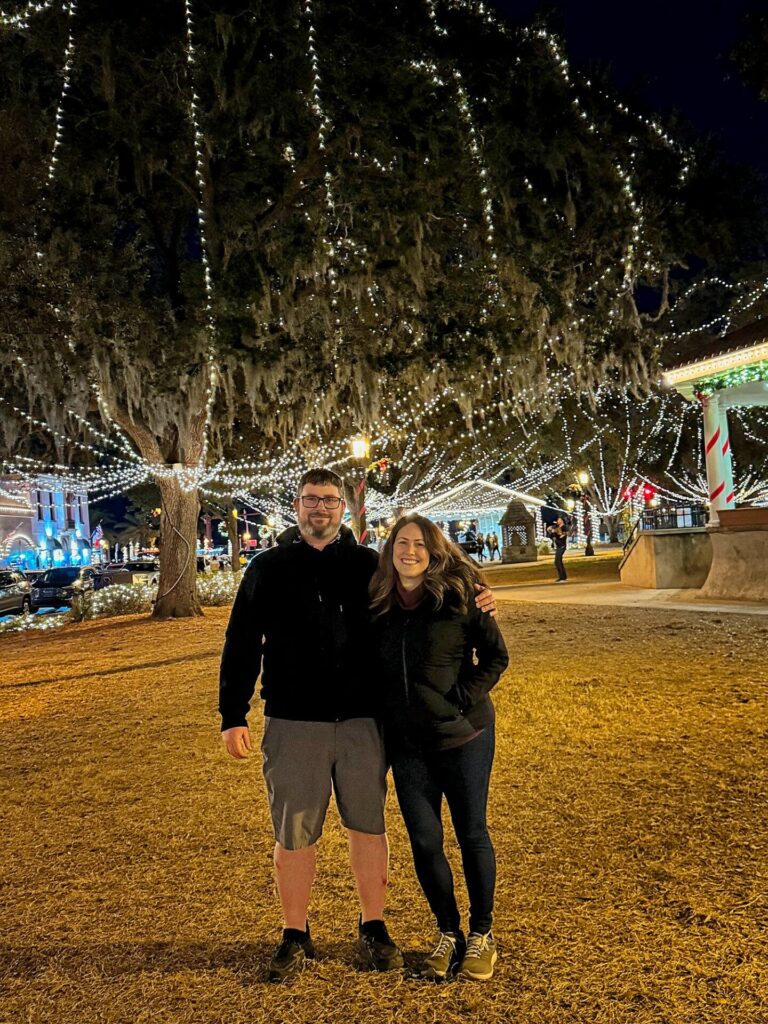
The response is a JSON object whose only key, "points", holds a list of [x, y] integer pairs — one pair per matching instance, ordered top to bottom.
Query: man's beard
{"points": [[319, 531]]}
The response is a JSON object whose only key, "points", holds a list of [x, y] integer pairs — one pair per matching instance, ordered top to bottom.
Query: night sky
{"points": [[674, 54]]}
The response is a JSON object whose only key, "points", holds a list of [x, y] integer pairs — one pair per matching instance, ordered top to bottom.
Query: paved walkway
{"points": [[617, 593]]}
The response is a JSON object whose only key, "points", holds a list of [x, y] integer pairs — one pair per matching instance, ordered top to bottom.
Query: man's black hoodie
{"points": [[300, 619]]}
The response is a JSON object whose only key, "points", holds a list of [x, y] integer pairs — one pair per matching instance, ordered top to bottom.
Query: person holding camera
{"points": [[558, 533]]}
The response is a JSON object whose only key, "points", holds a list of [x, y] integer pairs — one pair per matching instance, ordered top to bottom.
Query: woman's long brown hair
{"points": [[450, 570]]}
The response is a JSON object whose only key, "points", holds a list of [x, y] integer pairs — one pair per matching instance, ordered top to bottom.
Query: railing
{"points": [[677, 517], [632, 534]]}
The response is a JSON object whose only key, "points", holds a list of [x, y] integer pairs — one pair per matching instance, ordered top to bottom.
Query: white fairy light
{"points": [[20, 19], [66, 72], [212, 375]]}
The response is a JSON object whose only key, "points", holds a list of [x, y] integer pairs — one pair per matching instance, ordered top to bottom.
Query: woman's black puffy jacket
{"points": [[436, 667]]}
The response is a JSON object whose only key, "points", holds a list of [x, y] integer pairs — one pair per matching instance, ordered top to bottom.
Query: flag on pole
{"points": [[97, 534]]}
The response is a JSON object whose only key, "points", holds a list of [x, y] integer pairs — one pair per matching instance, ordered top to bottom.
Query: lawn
{"points": [[600, 567], [628, 811]]}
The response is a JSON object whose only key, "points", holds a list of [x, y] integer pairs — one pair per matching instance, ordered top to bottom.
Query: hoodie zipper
{"points": [[405, 664]]}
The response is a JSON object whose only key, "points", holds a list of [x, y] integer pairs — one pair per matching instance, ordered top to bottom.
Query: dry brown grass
{"points": [[602, 567], [628, 809]]}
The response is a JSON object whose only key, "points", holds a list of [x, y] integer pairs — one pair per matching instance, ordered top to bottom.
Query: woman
{"points": [[439, 726]]}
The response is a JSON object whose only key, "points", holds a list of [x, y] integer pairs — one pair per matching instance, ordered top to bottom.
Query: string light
{"points": [[20, 20], [69, 56], [212, 376]]}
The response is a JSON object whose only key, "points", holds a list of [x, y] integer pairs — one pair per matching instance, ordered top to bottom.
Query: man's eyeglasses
{"points": [[312, 501]]}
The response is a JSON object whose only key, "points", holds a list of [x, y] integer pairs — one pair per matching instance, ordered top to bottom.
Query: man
{"points": [[300, 618]]}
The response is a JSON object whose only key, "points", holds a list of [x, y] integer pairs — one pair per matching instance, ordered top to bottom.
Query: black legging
{"points": [[559, 567], [461, 775]]}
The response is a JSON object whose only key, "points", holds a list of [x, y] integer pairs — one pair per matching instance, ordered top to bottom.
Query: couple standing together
{"points": [[366, 661]]}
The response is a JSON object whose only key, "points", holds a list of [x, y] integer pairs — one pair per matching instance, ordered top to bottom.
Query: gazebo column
{"points": [[725, 447], [717, 451]]}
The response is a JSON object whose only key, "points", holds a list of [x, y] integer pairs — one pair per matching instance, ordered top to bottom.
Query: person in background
{"points": [[558, 533], [492, 542], [480, 547], [438, 657]]}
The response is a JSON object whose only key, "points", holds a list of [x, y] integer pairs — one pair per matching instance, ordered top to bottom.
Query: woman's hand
{"points": [[485, 600]]}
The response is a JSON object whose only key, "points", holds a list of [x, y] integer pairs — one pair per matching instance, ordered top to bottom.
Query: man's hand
{"points": [[484, 600], [238, 742]]}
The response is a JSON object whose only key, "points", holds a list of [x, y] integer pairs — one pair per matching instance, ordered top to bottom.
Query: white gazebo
{"points": [[726, 372], [477, 498]]}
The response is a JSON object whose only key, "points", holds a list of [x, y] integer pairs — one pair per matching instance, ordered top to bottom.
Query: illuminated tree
{"points": [[228, 221]]}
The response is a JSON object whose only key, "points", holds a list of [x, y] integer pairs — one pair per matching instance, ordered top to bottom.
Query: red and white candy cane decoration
{"points": [[725, 448], [717, 450]]}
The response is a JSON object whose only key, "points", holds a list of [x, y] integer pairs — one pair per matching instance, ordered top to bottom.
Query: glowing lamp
{"points": [[360, 448], [583, 477]]}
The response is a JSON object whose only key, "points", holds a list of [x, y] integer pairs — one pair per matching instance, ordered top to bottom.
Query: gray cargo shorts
{"points": [[304, 760]]}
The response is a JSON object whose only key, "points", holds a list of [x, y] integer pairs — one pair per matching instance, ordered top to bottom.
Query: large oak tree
{"points": [[316, 206]]}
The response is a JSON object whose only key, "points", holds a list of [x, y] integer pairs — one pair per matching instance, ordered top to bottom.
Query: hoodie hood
{"points": [[293, 536]]}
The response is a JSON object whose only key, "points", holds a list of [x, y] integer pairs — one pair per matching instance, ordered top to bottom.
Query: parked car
{"points": [[146, 570], [115, 572], [58, 587], [14, 592]]}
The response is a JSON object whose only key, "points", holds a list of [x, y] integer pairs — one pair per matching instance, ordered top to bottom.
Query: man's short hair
{"points": [[321, 478]]}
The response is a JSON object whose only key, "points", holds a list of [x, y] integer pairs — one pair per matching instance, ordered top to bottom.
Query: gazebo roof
{"points": [[708, 364], [473, 498]]}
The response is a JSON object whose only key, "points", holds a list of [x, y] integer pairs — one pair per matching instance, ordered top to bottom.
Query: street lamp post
{"points": [[360, 456], [586, 495]]}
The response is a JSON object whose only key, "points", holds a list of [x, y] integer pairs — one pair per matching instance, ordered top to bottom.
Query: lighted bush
{"points": [[217, 588], [122, 599], [21, 623]]}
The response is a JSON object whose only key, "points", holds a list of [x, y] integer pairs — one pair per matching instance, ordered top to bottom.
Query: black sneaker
{"points": [[377, 948], [290, 955]]}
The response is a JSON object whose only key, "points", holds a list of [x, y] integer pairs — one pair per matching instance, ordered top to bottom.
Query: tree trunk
{"points": [[350, 497], [355, 499], [208, 522], [612, 522], [234, 537], [177, 590], [177, 593]]}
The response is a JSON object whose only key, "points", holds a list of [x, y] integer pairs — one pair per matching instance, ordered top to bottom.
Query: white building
{"points": [[43, 522]]}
